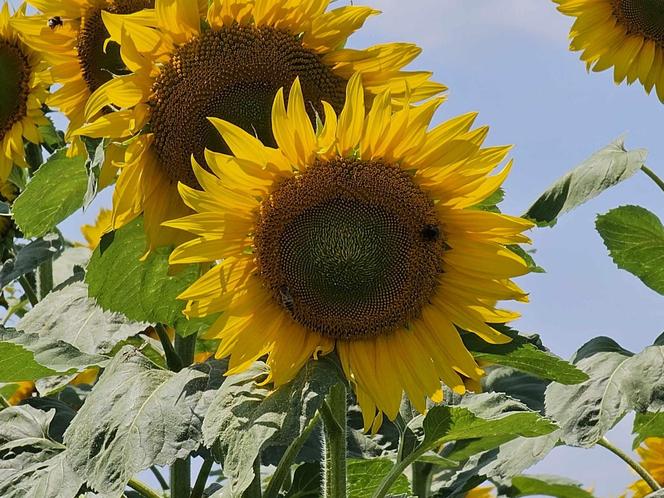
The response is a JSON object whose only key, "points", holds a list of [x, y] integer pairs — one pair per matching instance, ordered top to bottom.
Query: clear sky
{"points": [[509, 59]]}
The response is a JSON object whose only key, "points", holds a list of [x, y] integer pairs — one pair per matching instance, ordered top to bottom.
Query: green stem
{"points": [[653, 176], [45, 274], [29, 291], [12, 310], [185, 347], [172, 359], [334, 413], [283, 469], [397, 470], [643, 473], [159, 477], [181, 478], [421, 479], [201, 480], [143, 489], [254, 489]]}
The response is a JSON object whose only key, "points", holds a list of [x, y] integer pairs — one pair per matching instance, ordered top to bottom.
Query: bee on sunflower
{"points": [[627, 35], [74, 44], [189, 61], [23, 89], [360, 239]]}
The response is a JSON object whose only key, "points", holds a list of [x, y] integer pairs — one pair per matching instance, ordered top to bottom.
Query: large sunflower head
{"points": [[625, 34], [74, 42], [228, 60], [22, 91], [361, 238], [652, 459]]}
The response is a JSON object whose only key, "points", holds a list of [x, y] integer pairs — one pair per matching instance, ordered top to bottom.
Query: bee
{"points": [[54, 22], [430, 233], [286, 298]]}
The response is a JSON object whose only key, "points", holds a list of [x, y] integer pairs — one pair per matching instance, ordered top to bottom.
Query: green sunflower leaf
{"points": [[52, 138], [604, 169], [56, 191], [635, 239], [29, 257], [144, 291], [522, 354], [18, 364], [136, 416], [245, 418], [647, 424], [33, 464], [365, 475], [306, 481], [537, 485]]}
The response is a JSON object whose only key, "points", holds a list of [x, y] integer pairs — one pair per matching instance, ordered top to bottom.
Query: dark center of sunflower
{"points": [[642, 17], [98, 65], [234, 74], [14, 85], [351, 249]]}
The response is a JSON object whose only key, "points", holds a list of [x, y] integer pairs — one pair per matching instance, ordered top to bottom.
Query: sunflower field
{"points": [[302, 280]]}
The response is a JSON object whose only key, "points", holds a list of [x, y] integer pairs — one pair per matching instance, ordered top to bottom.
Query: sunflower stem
{"points": [[653, 176], [45, 280], [29, 291], [172, 359], [333, 411], [181, 469], [283, 469], [643, 473], [421, 479], [201, 480], [143, 489]]}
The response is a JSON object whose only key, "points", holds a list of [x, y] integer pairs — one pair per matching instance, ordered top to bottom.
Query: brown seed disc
{"points": [[642, 17], [99, 66], [234, 74], [14, 85], [350, 248]]}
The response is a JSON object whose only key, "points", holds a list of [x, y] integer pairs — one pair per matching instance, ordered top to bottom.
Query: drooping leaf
{"points": [[52, 139], [96, 149], [607, 167], [56, 191], [635, 239], [29, 257], [143, 291], [69, 315], [54, 354], [525, 356], [136, 416], [244, 417], [647, 424], [32, 464], [364, 476], [306, 481], [543, 485]]}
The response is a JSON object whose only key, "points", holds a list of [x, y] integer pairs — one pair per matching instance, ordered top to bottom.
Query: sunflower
{"points": [[625, 34], [74, 43], [191, 62], [22, 91], [93, 233], [360, 238], [22, 391], [652, 459], [485, 492]]}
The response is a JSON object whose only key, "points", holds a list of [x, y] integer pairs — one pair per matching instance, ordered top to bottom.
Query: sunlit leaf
{"points": [[364, 476], [538, 485]]}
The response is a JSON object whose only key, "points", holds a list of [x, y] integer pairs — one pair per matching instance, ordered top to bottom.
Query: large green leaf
{"points": [[607, 167], [56, 191], [635, 239], [29, 257], [144, 291], [69, 315], [57, 355], [525, 356], [18, 364], [136, 416], [245, 417], [31, 463], [364, 476], [306, 481], [542, 485]]}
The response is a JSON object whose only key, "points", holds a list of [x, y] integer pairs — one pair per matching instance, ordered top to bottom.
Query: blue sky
{"points": [[509, 60]]}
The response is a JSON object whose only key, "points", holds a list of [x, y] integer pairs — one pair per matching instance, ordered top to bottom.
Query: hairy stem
{"points": [[653, 176], [28, 289], [172, 359], [333, 411], [283, 469], [643, 473], [421, 479], [143, 489]]}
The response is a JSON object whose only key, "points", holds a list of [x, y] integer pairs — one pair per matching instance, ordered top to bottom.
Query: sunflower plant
{"points": [[301, 283]]}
